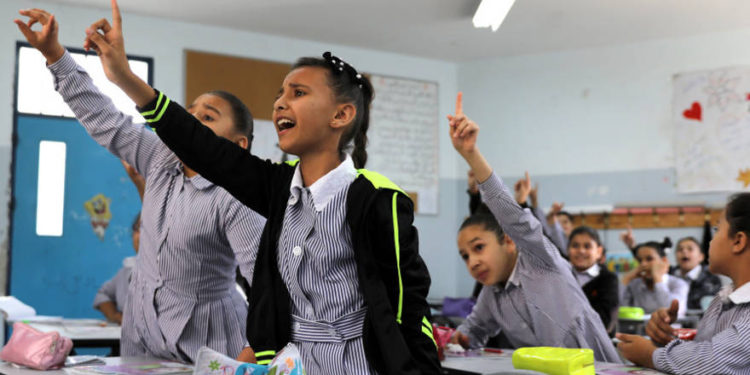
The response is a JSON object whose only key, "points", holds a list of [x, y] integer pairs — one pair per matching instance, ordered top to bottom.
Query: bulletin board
{"points": [[711, 114], [403, 134], [404, 138]]}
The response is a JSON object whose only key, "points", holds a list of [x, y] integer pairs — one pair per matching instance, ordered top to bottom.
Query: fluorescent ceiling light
{"points": [[491, 13]]}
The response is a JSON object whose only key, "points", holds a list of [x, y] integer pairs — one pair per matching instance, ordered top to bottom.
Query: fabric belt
{"points": [[345, 328]]}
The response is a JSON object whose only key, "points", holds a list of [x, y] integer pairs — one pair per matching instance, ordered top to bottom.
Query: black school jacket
{"points": [[394, 280], [707, 284], [603, 293]]}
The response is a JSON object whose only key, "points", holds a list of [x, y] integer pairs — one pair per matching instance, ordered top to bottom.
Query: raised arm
{"points": [[102, 120], [217, 159], [519, 224]]}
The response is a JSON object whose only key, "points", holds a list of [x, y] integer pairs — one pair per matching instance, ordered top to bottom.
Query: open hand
{"points": [[45, 40]]}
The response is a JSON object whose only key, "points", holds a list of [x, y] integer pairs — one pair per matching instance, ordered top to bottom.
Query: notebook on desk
{"points": [[14, 310]]}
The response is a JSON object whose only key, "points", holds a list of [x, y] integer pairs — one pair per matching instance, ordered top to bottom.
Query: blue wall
{"points": [[60, 275]]}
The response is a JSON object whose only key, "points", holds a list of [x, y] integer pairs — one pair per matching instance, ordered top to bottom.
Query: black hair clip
{"points": [[340, 66]]}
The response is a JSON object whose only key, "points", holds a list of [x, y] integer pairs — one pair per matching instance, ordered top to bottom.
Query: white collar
{"points": [[325, 187], [592, 271], [694, 273], [513, 279], [741, 294]]}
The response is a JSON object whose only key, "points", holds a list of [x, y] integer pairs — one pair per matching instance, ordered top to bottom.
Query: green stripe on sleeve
{"points": [[151, 112], [398, 260]]}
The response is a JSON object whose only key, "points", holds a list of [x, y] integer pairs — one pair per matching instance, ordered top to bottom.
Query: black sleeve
{"points": [[215, 158], [411, 286], [605, 299]]}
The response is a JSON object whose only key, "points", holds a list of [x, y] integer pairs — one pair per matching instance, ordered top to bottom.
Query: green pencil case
{"points": [[631, 312], [555, 361]]}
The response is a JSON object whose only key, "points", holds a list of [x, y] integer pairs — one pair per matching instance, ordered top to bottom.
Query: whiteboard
{"points": [[711, 115], [403, 137]]}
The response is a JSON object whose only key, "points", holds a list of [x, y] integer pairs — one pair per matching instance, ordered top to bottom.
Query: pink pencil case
{"points": [[32, 348]]}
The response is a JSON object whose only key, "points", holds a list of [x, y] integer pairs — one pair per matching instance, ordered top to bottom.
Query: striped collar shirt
{"points": [[316, 262], [722, 342]]}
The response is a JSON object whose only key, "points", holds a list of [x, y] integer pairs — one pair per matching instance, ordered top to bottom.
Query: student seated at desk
{"points": [[691, 269], [600, 286], [652, 287], [529, 291], [111, 297], [722, 342]]}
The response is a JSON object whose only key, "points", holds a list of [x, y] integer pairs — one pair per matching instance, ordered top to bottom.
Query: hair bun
{"points": [[667, 243]]}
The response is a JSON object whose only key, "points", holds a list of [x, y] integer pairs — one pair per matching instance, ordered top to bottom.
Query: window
{"points": [[36, 91], [50, 189]]}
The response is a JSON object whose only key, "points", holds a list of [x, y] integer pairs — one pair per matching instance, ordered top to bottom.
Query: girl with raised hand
{"points": [[193, 234], [338, 271], [653, 287], [529, 291]]}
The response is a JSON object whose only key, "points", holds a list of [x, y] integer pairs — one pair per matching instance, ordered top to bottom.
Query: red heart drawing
{"points": [[748, 96], [694, 113]]}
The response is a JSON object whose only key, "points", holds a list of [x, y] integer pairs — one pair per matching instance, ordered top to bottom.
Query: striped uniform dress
{"points": [[316, 262], [182, 292], [541, 303], [722, 344]]}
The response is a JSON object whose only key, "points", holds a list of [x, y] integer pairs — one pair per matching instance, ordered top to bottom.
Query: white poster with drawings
{"points": [[711, 114], [403, 137]]}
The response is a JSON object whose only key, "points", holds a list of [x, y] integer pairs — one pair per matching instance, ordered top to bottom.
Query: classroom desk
{"points": [[85, 333], [503, 364], [494, 365], [9, 369]]}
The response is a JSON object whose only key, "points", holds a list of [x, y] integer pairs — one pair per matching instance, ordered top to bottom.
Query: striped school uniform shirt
{"points": [[316, 261], [671, 287], [116, 288], [182, 294], [541, 303], [722, 343]]}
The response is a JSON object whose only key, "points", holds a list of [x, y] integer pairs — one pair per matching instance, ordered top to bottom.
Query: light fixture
{"points": [[491, 13]]}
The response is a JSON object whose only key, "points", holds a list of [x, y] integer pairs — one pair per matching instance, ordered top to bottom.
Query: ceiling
{"points": [[442, 29]]}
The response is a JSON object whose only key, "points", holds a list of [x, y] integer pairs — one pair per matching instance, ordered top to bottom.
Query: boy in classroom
{"points": [[193, 233], [338, 270], [529, 291], [722, 342]]}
